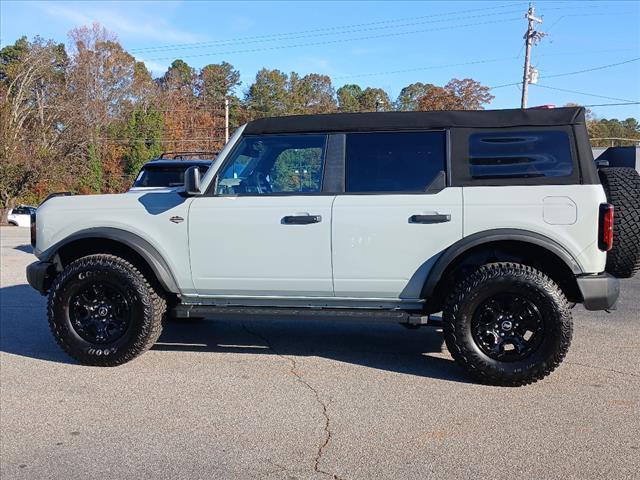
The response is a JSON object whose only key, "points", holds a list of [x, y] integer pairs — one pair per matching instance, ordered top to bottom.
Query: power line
{"points": [[354, 27], [345, 32], [273, 36], [332, 42], [472, 62], [430, 67], [591, 69], [566, 74], [584, 93], [611, 104]]}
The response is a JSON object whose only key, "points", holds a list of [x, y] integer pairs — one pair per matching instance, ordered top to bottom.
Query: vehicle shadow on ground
{"points": [[24, 248], [24, 331], [384, 346]]}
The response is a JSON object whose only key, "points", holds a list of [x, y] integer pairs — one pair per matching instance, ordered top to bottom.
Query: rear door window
{"points": [[520, 154], [394, 162]]}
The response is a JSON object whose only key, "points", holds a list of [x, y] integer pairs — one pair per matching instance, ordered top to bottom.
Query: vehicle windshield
{"points": [[164, 176]]}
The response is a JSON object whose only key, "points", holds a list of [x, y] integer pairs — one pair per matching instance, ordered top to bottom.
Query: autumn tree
{"points": [[101, 83], [466, 94], [471, 94], [410, 96], [32, 132]]}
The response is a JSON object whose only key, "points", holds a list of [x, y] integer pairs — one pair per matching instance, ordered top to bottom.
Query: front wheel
{"points": [[103, 311], [508, 324]]}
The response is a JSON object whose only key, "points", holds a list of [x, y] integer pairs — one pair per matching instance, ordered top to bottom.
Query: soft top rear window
{"points": [[520, 154]]}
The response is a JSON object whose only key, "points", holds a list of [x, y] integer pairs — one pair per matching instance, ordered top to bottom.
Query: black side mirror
{"points": [[192, 181]]}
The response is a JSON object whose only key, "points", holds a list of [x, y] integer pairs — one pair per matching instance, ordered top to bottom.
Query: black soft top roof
{"points": [[342, 122]]}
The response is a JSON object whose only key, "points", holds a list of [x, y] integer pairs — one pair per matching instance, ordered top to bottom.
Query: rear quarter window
{"points": [[520, 154]]}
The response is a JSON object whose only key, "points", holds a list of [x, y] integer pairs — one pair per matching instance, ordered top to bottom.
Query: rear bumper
{"points": [[40, 276], [599, 292]]}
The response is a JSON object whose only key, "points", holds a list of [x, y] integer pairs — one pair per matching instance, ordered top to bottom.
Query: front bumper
{"points": [[40, 276], [599, 292]]}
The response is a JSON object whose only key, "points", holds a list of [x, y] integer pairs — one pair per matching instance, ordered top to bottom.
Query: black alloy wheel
{"points": [[99, 312], [507, 327]]}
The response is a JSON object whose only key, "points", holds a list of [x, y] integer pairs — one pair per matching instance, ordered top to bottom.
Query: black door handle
{"points": [[431, 218], [301, 219]]}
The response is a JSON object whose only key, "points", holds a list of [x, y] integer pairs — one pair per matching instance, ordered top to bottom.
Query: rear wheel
{"points": [[622, 187], [103, 311], [507, 324]]}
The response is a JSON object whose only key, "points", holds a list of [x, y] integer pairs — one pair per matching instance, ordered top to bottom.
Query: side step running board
{"points": [[391, 316]]}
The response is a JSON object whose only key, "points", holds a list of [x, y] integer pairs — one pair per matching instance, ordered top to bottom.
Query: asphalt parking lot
{"points": [[301, 399]]}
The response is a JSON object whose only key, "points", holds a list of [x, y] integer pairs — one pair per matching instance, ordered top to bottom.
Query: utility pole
{"points": [[531, 37], [226, 120]]}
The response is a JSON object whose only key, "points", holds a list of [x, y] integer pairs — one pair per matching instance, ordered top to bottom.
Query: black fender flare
{"points": [[489, 236], [148, 252]]}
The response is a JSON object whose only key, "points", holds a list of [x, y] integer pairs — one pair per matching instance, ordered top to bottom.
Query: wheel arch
{"points": [[118, 242], [515, 245]]}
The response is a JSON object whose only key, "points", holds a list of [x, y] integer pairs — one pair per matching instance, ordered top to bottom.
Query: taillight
{"points": [[605, 228], [33, 229]]}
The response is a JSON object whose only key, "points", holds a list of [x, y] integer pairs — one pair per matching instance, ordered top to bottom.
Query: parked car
{"points": [[168, 170], [20, 216], [499, 219]]}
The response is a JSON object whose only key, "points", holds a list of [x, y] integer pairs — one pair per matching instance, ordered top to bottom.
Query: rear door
{"points": [[397, 215]]}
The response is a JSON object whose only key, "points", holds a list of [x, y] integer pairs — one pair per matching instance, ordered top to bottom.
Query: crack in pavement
{"points": [[604, 369], [327, 421]]}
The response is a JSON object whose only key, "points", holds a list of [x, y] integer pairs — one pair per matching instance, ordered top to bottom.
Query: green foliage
{"points": [[12, 55], [179, 74], [217, 81], [268, 95], [410, 96], [349, 98], [375, 100], [144, 132], [610, 132], [298, 170], [95, 175]]}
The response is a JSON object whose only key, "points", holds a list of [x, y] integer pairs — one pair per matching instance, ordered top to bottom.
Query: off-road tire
{"points": [[622, 187], [497, 278], [146, 323]]}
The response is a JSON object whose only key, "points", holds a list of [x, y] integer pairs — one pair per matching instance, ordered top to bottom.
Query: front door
{"points": [[265, 228]]}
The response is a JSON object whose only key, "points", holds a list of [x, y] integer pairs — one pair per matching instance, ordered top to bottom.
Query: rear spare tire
{"points": [[622, 187]]}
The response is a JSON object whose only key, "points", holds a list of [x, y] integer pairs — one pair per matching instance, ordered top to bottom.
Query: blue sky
{"points": [[379, 44]]}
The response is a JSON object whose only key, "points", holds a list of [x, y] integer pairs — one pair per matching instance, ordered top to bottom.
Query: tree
{"points": [[178, 75], [217, 82], [101, 84], [311, 94], [466, 94], [268, 95], [471, 95], [410, 96], [349, 98], [437, 98], [375, 100], [32, 130], [144, 131]]}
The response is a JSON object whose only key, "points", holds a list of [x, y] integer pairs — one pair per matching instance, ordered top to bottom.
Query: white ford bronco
{"points": [[497, 219]]}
